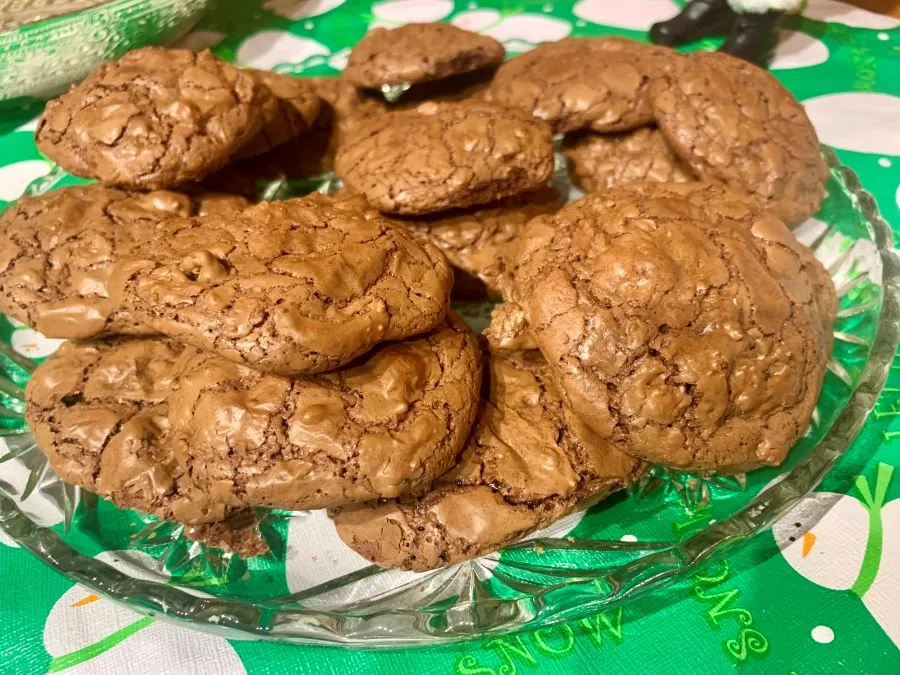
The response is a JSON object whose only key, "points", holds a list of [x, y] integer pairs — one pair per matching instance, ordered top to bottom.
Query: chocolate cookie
{"points": [[419, 52], [582, 83], [466, 87], [348, 105], [343, 108], [291, 111], [155, 118], [733, 122], [445, 156], [600, 161], [724, 207], [476, 240], [57, 253], [290, 287], [509, 330], [685, 336], [98, 411], [141, 421], [388, 425], [527, 463], [238, 534]]}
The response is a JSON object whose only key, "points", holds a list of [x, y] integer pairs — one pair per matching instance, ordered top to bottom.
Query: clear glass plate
{"points": [[311, 589]]}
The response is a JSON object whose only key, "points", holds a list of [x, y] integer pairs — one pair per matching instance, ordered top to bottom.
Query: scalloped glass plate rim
{"points": [[586, 594]]}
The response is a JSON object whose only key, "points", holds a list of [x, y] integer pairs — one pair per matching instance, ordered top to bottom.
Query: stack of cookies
{"points": [[632, 111], [159, 118], [461, 173], [681, 325], [302, 354], [292, 355]]}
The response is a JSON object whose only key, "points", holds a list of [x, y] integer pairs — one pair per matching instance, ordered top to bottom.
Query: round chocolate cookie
{"points": [[419, 52], [582, 83], [344, 108], [290, 112], [155, 118], [733, 122], [445, 156], [600, 161], [476, 240], [57, 253], [291, 287], [686, 336], [98, 411], [387, 425], [528, 462]]}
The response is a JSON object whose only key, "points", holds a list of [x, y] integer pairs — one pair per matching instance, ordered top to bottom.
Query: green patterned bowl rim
{"points": [[61, 16], [55, 21], [116, 26], [589, 592]]}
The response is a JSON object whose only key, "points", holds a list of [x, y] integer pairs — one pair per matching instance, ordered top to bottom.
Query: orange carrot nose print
{"points": [[808, 540], [86, 600]]}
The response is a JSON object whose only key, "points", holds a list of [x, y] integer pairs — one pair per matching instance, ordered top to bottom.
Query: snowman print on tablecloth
{"points": [[300, 9], [518, 31], [286, 52], [23, 170], [31, 343], [849, 544], [86, 634]]}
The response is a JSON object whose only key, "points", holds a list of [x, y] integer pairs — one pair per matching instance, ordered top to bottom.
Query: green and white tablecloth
{"points": [[782, 605]]}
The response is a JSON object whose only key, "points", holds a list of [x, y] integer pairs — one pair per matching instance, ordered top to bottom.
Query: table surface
{"points": [[759, 610]]}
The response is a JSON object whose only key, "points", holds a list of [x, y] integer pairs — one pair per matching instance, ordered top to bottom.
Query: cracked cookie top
{"points": [[419, 52], [580, 83], [348, 106], [345, 107], [341, 108], [291, 111], [155, 118], [733, 122], [444, 156], [600, 161], [478, 240], [57, 252], [291, 287], [508, 329], [690, 331], [98, 411], [388, 424], [158, 426], [528, 462]]}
